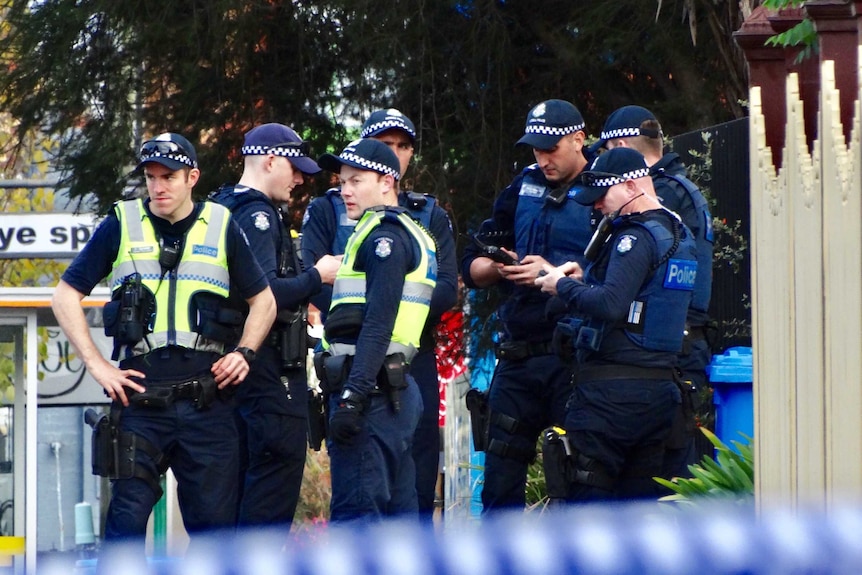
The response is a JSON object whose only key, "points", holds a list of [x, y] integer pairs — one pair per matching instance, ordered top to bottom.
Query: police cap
{"points": [[550, 121], [364, 154], [609, 169]]}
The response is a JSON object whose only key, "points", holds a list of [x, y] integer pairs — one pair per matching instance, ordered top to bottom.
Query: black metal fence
{"points": [[717, 158]]}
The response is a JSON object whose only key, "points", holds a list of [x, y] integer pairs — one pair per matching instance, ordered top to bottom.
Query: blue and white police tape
{"points": [[642, 539]]}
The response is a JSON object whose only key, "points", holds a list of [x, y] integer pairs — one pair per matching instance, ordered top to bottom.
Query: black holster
{"points": [[290, 337], [332, 371], [393, 378], [480, 417], [317, 419], [684, 421], [114, 451], [556, 460], [565, 465]]}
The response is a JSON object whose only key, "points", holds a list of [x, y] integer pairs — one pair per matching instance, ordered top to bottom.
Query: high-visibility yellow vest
{"points": [[202, 267], [350, 283]]}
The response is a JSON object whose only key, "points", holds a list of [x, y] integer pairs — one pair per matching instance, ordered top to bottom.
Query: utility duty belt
{"points": [[520, 350], [333, 371], [614, 371], [202, 391]]}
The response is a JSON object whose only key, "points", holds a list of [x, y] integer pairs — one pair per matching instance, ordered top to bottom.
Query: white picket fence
{"points": [[806, 240]]}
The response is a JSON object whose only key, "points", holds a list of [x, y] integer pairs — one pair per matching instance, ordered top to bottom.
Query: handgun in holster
{"points": [[293, 339], [332, 371], [394, 374], [690, 401], [480, 417], [317, 419], [114, 450], [556, 460]]}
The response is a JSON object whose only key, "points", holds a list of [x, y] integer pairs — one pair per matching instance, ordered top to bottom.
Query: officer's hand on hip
{"points": [[115, 380], [347, 420]]}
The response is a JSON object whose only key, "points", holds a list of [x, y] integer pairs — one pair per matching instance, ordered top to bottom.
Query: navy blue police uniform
{"points": [[680, 195], [325, 230], [635, 296], [531, 383], [272, 401], [372, 417], [200, 445], [374, 476]]}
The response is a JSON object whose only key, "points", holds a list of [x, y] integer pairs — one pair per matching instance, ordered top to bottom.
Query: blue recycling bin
{"points": [[731, 375]]}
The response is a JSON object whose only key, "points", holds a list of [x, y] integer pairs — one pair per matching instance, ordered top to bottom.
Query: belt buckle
{"points": [[512, 350], [186, 389]]}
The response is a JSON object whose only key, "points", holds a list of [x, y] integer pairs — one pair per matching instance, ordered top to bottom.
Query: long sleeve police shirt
{"points": [[262, 225], [318, 235], [622, 270], [385, 271]]}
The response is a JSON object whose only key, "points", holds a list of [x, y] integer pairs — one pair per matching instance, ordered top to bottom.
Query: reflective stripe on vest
{"points": [[202, 268], [350, 284]]}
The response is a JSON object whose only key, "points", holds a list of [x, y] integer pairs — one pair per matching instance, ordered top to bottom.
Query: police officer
{"points": [[637, 128], [537, 221], [325, 230], [172, 263], [380, 301], [629, 311], [272, 402]]}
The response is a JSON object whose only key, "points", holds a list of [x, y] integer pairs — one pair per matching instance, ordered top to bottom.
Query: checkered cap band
{"points": [[385, 125], [552, 130], [620, 133], [275, 151], [180, 157], [368, 164], [608, 182]]}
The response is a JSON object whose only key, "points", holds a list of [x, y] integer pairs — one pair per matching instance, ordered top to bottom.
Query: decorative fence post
{"points": [[806, 216]]}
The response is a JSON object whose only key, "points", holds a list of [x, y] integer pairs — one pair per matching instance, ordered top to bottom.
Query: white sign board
{"points": [[44, 235], [64, 380]]}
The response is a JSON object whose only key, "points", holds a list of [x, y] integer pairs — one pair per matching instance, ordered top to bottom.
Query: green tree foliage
{"points": [[802, 35], [470, 70], [100, 75], [25, 158], [19, 159]]}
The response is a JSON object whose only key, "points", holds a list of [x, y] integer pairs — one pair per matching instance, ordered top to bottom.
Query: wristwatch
{"points": [[249, 354], [351, 396]]}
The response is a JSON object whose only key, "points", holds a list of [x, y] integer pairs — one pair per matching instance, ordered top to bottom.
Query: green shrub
{"points": [[730, 476]]}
